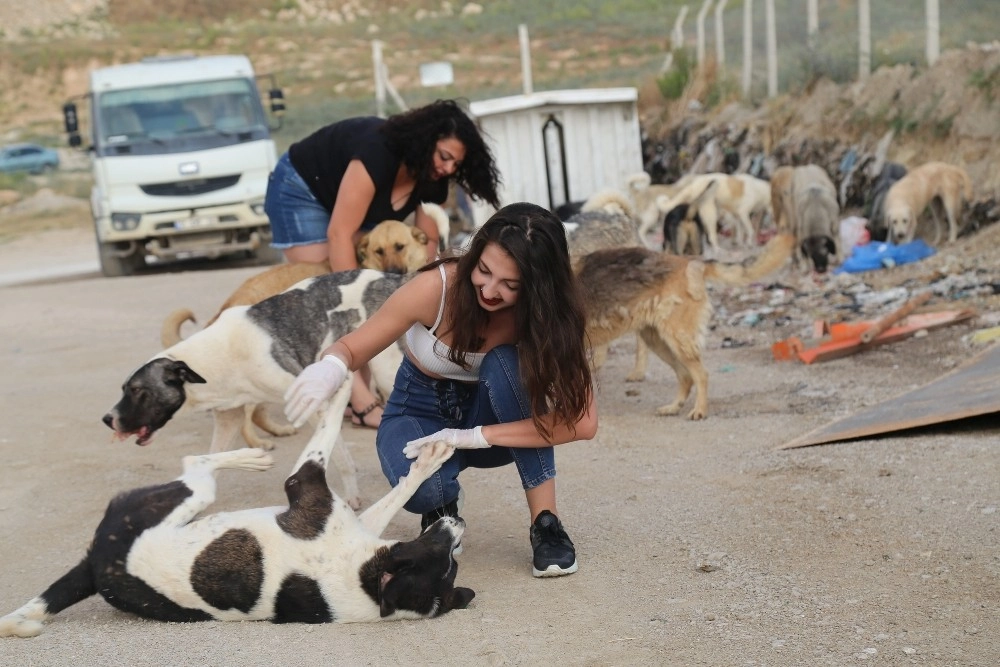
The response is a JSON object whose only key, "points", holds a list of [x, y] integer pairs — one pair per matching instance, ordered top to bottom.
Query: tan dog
{"points": [[921, 187], [644, 193], [740, 196], [781, 198], [815, 218], [607, 220], [683, 229], [391, 246], [664, 299]]}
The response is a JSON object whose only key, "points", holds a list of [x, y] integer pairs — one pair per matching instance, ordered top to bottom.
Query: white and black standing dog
{"points": [[251, 355], [314, 561]]}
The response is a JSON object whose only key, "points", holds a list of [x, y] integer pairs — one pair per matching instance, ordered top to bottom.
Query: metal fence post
{"points": [[812, 24], [700, 25], [933, 32], [677, 36], [720, 37], [864, 39], [747, 46], [772, 49], [379, 79], [527, 87]]}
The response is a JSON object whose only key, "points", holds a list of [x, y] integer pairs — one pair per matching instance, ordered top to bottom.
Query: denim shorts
{"points": [[297, 217], [420, 405]]}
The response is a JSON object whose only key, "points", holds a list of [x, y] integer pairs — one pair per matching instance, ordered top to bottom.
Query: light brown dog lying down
{"points": [[906, 200], [391, 247], [663, 297]]}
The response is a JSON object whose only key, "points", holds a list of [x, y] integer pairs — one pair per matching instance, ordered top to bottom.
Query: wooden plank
{"points": [[971, 390]]}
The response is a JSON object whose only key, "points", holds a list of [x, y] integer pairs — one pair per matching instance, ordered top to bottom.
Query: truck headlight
{"points": [[124, 222]]}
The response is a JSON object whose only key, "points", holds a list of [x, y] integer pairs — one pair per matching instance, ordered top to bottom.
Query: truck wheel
{"points": [[115, 266]]}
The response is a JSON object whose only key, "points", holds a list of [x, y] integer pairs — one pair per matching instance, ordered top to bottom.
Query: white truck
{"points": [[181, 151]]}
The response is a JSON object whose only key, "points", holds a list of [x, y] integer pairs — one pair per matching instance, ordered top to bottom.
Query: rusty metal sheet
{"points": [[971, 390]]}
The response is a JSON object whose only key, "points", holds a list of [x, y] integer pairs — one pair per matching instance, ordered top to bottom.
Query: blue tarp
{"points": [[883, 255]]}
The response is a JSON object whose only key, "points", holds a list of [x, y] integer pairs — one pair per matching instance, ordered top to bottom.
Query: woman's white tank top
{"points": [[432, 354]]}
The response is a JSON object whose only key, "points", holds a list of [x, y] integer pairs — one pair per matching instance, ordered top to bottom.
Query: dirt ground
{"points": [[698, 542]]}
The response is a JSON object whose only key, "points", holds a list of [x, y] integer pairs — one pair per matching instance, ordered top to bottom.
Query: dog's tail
{"points": [[639, 181], [610, 201], [441, 219], [777, 251], [170, 332]]}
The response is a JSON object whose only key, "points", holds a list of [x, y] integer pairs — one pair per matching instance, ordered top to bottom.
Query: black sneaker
{"points": [[448, 509], [554, 554]]}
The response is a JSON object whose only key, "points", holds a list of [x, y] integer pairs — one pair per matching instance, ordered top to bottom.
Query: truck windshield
{"points": [[178, 117]]}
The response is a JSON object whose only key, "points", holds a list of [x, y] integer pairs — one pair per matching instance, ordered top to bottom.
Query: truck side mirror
{"points": [[277, 98], [72, 124]]}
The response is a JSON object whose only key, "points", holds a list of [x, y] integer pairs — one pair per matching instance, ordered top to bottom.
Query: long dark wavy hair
{"points": [[413, 135], [549, 313]]}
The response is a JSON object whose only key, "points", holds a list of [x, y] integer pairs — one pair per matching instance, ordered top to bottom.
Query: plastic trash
{"points": [[854, 232], [882, 255]]}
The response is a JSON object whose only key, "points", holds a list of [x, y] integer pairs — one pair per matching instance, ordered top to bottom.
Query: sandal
{"points": [[358, 418]]}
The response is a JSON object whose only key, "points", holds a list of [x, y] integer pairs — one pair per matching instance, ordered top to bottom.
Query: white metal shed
{"points": [[600, 146]]}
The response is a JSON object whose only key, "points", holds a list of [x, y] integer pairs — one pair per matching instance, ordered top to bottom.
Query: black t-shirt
{"points": [[322, 158]]}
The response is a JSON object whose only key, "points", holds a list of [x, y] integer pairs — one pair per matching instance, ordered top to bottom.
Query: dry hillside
{"points": [[947, 112]]}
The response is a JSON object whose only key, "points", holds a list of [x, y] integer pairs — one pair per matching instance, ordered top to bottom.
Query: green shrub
{"points": [[673, 82]]}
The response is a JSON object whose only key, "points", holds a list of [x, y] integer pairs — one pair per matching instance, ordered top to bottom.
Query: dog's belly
{"points": [[216, 564], [243, 566]]}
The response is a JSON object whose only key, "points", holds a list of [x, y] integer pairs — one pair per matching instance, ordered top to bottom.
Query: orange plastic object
{"points": [[844, 338]]}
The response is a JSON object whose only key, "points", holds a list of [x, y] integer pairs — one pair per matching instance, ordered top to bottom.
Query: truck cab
{"points": [[181, 152]]}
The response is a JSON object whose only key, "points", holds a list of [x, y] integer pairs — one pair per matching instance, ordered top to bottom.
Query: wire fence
{"points": [[897, 32]]}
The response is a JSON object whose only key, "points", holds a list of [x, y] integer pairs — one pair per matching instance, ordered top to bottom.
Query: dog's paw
{"points": [[635, 377], [668, 410], [697, 414], [262, 444], [431, 457], [250, 458], [354, 502], [18, 626]]}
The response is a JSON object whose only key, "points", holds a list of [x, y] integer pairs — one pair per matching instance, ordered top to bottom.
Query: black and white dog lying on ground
{"points": [[314, 561]]}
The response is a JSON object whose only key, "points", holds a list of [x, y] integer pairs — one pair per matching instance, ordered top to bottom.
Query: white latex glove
{"points": [[316, 383], [459, 438]]}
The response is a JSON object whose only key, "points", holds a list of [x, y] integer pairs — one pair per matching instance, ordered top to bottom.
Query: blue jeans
{"points": [[296, 216], [420, 405]]}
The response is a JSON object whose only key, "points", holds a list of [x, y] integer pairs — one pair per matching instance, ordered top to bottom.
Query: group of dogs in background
{"points": [[802, 201], [249, 353]]}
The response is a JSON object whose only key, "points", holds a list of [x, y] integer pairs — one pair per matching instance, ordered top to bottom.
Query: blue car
{"points": [[28, 157]]}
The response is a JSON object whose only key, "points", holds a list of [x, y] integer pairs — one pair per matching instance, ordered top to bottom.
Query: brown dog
{"points": [[922, 186], [781, 197], [391, 247], [664, 299]]}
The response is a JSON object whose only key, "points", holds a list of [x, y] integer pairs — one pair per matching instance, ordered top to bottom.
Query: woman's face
{"points": [[448, 155], [496, 279]]}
